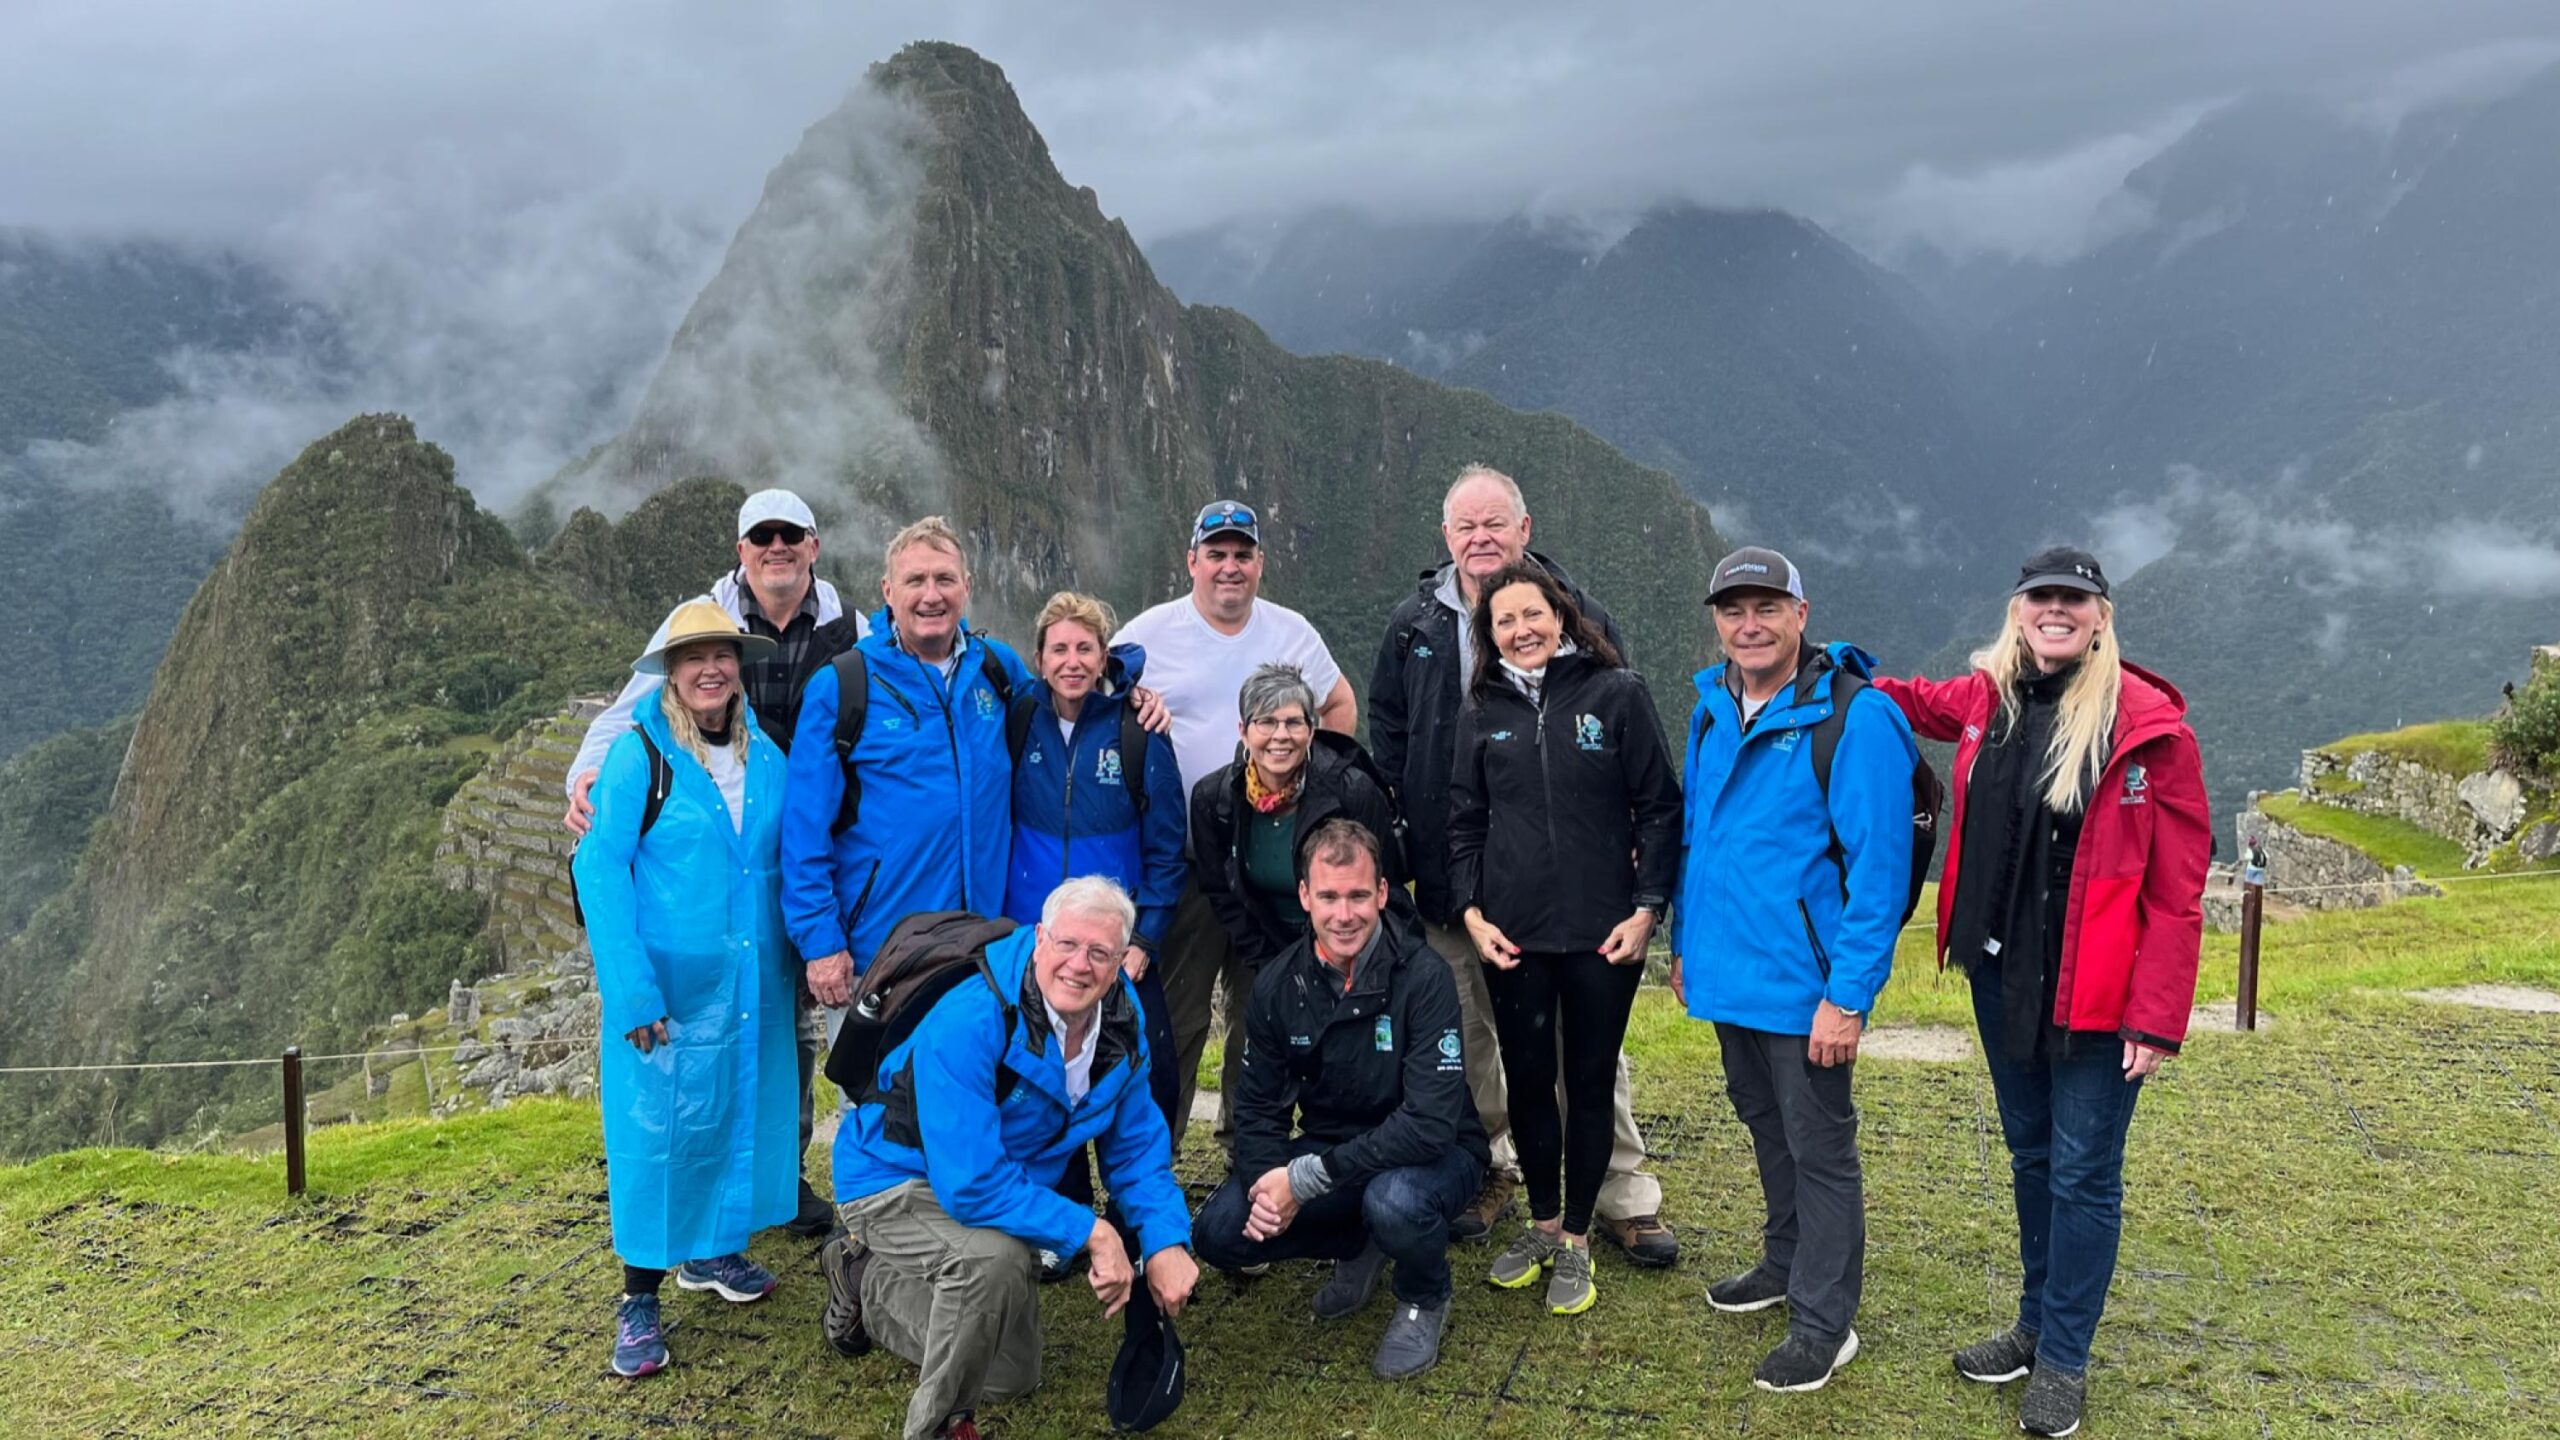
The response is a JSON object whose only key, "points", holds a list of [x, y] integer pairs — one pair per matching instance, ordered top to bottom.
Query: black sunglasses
{"points": [[764, 535]]}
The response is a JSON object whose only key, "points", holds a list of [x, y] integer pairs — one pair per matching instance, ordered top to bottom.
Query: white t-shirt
{"points": [[1198, 672], [728, 771]]}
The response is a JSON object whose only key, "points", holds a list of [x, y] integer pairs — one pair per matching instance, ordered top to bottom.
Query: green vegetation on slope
{"points": [[2450, 747], [49, 796], [2388, 841]]}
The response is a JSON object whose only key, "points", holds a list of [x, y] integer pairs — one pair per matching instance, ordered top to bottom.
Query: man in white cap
{"points": [[774, 593]]}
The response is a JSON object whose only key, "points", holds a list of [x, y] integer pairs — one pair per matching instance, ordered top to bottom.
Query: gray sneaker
{"points": [[1520, 1263], [1354, 1281], [1569, 1288], [1412, 1342], [2053, 1401]]}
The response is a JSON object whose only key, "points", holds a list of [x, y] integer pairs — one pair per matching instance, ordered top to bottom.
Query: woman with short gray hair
{"points": [[1250, 820]]}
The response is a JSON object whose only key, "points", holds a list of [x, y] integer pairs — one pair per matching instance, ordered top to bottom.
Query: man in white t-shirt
{"points": [[1199, 650]]}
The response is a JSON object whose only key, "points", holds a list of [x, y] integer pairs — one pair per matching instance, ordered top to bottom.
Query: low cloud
{"points": [[2045, 208]]}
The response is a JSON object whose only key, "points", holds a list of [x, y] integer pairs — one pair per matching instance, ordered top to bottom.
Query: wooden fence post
{"points": [[2253, 909], [293, 1174]]}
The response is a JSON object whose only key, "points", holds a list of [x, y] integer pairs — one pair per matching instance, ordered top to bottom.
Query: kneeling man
{"points": [[1356, 1139], [950, 1168]]}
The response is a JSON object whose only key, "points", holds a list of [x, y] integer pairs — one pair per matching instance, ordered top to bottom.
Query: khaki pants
{"points": [[1197, 955], [1629, 1191], [962, 1304]]}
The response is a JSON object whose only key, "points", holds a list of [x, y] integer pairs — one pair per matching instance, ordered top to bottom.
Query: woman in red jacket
{"points": [[2071, 901]]}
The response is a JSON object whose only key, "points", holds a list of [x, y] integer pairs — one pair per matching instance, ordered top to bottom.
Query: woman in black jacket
{"points": [[1250, 820], [1564, 838]]}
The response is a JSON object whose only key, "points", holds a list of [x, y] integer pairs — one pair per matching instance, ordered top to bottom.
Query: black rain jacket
{"points": [[1341, 781]]}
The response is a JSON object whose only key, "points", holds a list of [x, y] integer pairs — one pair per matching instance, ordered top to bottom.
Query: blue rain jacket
{"points": [[937, 799], [1072, 815], [1767, 923], [702, 1134], [995, 1166]]}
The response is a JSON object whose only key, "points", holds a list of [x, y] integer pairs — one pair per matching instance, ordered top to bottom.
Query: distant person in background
{"points": [[775, 593], [1200, 649], [1415, 696], [1077, 810], [1251, 818], [1564, 843], [1791, 898], [2071, 900], [696, 1074]]}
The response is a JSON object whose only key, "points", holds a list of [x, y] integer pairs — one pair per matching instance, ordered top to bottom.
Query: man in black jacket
{"points": [[1415, 694], [1355, 1137]]}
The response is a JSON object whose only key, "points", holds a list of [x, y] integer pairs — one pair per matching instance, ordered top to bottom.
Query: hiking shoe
{"points": [[1492, 1203], [816, 1216], [1645, 1239], [844, 1259], [1520, 1262], [1055, 1267], [734, 1278], [1354, 1281], [1569, 1287], [1757, 1288], [639, 1341], [1412, 1342], [2004, 1357], [1803, 1363], [2052, 1403], [959, 1427]]}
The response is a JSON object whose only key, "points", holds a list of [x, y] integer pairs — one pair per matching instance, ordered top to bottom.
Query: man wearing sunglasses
{"points": [[775, 592], [1200, 650]]}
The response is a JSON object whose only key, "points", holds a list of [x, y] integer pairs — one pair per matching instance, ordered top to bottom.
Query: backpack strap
{"points": [[998, 678], [853, 707], [1017, 725], [1825, 738], [1134, 741], [662, 781]]}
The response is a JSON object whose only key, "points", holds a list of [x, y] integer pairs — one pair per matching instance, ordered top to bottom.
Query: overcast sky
{"points": [[1996, 121]]}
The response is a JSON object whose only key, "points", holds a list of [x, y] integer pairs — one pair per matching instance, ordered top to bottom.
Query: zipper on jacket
{"points": [[951, 734], [1546, 780], [1067, 816], [862, 901], [1821, 959]]}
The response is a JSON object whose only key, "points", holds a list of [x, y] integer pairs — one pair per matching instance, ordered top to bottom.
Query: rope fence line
{"points": [[220, 1064]]}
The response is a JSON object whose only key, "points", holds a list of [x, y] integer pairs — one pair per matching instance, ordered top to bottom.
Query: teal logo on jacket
{"points": [[1587, 732], [1106, 768]]}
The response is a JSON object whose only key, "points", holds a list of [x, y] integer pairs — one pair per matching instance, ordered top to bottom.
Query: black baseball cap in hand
{"points": [[2062, 568], [1146, 1376]]}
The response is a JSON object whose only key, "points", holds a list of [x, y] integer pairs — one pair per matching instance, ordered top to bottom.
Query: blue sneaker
{"points": [[734, 1278], [639, 1343]]}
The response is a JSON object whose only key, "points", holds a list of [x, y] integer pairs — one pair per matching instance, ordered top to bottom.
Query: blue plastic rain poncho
{"points": [[701, 1135]]}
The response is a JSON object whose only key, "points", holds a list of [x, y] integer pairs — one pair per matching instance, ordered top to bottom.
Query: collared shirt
{"points": [[1451, 596], [772, 681], [1079, 1066]]}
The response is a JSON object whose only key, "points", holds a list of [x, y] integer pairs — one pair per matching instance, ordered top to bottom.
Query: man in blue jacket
{"points": [[935, 779], [1791, 898], [947, 1177]]}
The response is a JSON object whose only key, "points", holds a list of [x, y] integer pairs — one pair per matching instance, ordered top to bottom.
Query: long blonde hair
{"points": [[2084, 723], [688, 731]]}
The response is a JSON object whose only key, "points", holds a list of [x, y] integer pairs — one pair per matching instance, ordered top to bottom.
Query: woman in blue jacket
{"points": [[1084, 805], [698, 1074]]}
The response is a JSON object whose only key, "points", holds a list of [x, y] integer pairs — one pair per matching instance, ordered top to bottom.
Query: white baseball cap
{"points": [[779, 505]]}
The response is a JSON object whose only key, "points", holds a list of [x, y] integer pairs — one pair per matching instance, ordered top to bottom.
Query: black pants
{"points": [[1583, 1000], [1804, 1136], [1404, 1212]]}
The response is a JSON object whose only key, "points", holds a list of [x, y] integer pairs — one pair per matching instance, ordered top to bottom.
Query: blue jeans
{"points": [[2064, 1117], [1407, 1212]]}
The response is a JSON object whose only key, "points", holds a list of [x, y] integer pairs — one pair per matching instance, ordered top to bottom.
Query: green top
{"points": [[1270, 870]]}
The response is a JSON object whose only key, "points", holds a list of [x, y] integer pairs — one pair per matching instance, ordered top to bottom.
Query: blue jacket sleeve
{"points": [[816, 787], [1871, 813], [1160, 842], [626, 982], [952, 1064], [1137, 1164]]}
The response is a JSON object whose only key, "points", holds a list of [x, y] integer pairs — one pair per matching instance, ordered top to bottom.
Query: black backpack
{"points": [[853, 708], [1133, 744], [662, 783], [1928, 792], [926, 957]]}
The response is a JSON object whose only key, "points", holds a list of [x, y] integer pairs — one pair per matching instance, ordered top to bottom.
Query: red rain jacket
{"points": [[2135, 919]]}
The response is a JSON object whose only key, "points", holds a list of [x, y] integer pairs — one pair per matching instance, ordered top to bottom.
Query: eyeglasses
{"points": [[764, 535], [1278, 725], [1100, 957]]}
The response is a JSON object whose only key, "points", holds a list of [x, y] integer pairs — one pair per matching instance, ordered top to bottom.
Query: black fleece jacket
{"points": [[1341, 781], [1550, 800], [1376, 1074]]}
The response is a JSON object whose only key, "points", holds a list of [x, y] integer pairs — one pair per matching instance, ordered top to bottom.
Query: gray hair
{"points": [[1473, 473], [1272, 688], [1096, 897]]}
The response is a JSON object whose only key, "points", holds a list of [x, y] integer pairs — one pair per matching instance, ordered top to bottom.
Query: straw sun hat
{"points": [[697, 619]]}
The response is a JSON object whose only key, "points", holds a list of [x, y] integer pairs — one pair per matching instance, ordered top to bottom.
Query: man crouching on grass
{"points": [[1356, 1138], [950, 1172]]}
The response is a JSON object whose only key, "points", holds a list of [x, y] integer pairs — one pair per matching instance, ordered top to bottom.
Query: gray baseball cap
{"points": [[1755, 567]]}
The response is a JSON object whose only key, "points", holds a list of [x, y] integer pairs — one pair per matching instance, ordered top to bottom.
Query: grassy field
{"points": [[2344, 1219]]}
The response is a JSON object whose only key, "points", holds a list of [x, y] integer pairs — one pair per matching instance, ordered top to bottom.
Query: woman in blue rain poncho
{"points": [[680, 882]]}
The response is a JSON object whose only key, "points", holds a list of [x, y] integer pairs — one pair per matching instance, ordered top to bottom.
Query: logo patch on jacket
{"points": [[1421, 652], [986, 702], [1586, 731], [1973, 732], [1499, 735], [1790, 740], [1106, 767], [2137, 787], [1386, 1032], [1451, 1056]]}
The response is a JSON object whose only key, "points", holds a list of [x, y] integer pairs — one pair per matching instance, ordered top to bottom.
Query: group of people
{"points": [[1429, 945]]}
